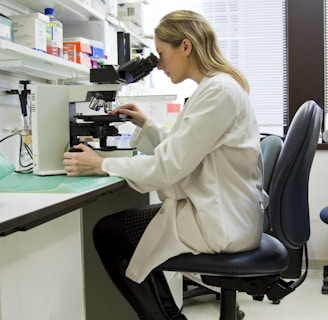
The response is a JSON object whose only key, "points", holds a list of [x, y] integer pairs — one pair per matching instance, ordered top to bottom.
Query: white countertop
{"points": [[17, 204], [20, 211]]}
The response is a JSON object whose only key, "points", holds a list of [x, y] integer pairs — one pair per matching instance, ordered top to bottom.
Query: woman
{"points": [[206, 170]]}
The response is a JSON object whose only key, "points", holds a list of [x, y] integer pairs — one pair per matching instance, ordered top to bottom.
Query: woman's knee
{"points": [[101, 231], [110, 238]]}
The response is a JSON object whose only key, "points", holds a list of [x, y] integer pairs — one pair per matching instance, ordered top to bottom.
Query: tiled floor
{"points": [[305, 303]]}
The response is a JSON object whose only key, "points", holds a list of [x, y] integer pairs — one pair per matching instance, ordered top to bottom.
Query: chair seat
{"points": [[270, 258]]}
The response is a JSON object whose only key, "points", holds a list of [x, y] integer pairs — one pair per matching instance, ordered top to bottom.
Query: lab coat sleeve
{"points": [[208, 116], [145, 139]]}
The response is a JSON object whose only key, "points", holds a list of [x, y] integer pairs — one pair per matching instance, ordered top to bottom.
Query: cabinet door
{"points": [[41, 272]]}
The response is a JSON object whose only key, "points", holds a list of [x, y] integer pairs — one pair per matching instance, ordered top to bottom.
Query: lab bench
{"points": [[49, 268]]}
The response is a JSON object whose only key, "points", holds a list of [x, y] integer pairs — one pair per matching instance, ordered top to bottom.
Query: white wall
{"points": [[318, 198]]}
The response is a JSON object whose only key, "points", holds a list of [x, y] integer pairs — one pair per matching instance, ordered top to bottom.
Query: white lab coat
{"points": [[207, 171]]}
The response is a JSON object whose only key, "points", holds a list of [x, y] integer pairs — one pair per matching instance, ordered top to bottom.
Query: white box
{"points": [[112, 8], [131, 11], [30, 30], [96, 30]]}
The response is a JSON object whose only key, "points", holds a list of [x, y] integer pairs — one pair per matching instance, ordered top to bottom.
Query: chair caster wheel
{"points": [[325, 271], [324, 289], [258, 297], [240, 315]]}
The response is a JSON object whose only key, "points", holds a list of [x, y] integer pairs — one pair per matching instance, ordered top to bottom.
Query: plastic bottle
{"points": [[54, 34]]}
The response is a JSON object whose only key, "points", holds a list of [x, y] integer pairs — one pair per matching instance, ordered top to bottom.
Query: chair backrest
{"points": [[271, 146], [288, 204]]}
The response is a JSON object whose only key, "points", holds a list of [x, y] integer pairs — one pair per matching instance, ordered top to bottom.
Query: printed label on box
{"points": [[5, 31]]}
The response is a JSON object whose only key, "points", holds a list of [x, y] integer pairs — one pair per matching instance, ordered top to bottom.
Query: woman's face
{"points": [[175, 62]]}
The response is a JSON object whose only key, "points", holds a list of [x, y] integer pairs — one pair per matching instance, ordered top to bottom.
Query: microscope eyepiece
{"points": [[150, 62], [137, 68], [129, 72]]}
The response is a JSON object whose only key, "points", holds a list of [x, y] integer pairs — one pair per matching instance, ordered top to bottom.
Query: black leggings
{"points": [[117, 235]]}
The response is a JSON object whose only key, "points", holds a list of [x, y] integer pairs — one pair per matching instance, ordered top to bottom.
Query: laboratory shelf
{"points": [[66, 11], [74, 11], [120, 26], [19, 59]]}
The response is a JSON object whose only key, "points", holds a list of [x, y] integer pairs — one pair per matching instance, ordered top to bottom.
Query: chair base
{"points": [[324, 288], [200, 291], [229, 309]]}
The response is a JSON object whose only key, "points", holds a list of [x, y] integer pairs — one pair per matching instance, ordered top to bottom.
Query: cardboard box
{"points": [[131, 11], [6, 28], [30, 30], [101, 31], [81, 44], [97, 48], [69, 52], [83, 59]]}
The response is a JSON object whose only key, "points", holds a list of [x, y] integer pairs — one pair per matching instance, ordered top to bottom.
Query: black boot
{"points": [[142, 297], [166, 297]]}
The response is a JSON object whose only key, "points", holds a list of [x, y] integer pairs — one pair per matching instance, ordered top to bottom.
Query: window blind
{"points": [[252, 36]]}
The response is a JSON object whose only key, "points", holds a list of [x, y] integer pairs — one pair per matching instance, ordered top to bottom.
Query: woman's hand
{"points": [[131, 110], [84, 162]]}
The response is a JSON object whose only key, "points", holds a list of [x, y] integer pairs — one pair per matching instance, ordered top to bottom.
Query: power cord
{"points": [[23, 148]]}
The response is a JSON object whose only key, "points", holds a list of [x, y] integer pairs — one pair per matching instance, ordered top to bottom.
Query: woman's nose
{"points": [[159, 64]]}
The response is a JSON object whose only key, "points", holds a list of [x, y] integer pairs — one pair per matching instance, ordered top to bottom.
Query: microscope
{"points": [[55, 123], [100, 126]]}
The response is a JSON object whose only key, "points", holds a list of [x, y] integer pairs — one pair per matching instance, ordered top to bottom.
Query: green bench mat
{"points": [[16, 182]]}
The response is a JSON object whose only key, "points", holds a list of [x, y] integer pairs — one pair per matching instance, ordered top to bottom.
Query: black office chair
{"points": [[271, 146], [324, 218], [257, 272]]}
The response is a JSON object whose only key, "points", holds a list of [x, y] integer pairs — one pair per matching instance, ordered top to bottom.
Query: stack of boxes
{"points": [[107, 6], [131, 14], [30, 30], [79, 49], [84, 51], [97, 53]]}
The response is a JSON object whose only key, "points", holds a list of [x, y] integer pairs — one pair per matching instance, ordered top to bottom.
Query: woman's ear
{"points": [[187, 46]]}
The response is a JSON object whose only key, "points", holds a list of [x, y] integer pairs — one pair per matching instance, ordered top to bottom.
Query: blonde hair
{"points": [[206, 54]]}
